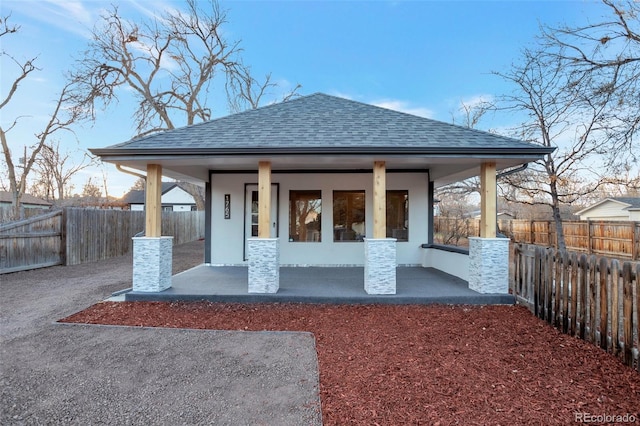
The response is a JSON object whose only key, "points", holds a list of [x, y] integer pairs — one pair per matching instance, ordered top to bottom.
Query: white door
{"points": [[251, 213]]}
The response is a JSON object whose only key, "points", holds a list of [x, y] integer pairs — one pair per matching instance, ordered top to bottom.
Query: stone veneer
{"points": [[152, 262], [264, 265], [380, 265], [489, 265]]}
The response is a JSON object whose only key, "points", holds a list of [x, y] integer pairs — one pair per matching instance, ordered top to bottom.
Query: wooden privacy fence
{"points": [[73, 236], [612, 239], [594, 298]]}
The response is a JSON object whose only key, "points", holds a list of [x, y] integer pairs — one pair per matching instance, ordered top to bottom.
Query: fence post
{"points": [[531, 232], [63, 236], [589, 237], [635, 239], [574, 293], [612, 302], [601, 339]]}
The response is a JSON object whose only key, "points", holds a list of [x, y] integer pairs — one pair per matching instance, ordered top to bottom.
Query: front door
{"points": [[251, 215]]}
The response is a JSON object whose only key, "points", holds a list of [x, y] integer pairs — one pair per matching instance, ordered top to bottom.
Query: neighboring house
{"points": [[325, 181], [174, 199], [28, 201], [614, 208], [499, 215]]}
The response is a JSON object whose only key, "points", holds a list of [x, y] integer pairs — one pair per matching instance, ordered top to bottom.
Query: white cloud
{"points": [[158, 9], [73, 10], [71, 16], [341, 94], [476, 100], [403, 106]]}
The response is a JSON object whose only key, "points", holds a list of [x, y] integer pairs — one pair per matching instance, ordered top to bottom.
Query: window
{"points": [[167, 208], [305, 209], [398, 215], [348, 216]]}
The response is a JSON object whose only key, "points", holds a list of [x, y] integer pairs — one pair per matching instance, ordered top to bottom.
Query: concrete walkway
{"points": [[74, 374]]}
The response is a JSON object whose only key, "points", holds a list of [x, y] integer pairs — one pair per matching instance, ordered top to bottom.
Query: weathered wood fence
{"points": [[73, 236], [613, 239], [31, 243], [594, 298]]}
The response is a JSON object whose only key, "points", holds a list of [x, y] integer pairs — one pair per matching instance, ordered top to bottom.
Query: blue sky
{"points": [[421, 57]]}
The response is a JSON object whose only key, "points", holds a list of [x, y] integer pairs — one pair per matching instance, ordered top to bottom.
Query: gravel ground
{"points": [[72, 374]]}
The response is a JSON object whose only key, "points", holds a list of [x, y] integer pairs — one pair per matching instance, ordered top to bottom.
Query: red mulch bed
{"points": [[435, 365]]}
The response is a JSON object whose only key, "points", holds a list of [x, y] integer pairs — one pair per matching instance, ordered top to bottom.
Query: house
{"points": [[323, 181], [173, 199], [28, 201], [615, 208], [501, 215]]}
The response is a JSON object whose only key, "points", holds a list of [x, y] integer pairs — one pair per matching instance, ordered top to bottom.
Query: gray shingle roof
{"points": [[319, 122], [136, 196], [5, 197], [633, 201]]}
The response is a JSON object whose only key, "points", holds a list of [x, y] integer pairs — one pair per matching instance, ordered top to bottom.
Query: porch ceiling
{"points": [[442, 169]]}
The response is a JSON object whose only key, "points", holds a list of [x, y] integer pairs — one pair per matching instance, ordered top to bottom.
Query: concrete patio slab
{"points": [[334, 285]]}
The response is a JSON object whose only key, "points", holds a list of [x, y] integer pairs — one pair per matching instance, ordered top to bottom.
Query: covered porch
{"points": [[322, 181], [331, 285]]}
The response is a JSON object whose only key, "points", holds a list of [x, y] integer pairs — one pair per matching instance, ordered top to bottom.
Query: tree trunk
{"points": [[557, 218]]}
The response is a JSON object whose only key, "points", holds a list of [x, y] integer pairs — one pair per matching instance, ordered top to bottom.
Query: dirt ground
{"points": [[435, 365], [70, 374]]}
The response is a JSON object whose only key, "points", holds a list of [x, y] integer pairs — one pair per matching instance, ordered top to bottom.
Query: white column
{"points": [[263, 252], [380, 252], [152, 254], [488, 255], [152, 263], [264, 265], [380, 265], [489, 265]]}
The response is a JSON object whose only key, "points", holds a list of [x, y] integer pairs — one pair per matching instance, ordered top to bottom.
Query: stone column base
{"points": [[152, 262], [264, 265], [380, 265], [489, 265]]}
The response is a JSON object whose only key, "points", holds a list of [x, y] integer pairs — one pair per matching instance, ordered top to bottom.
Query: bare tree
{"points": [[606, 55], [170, 64], [580, 91], [245, 92], [562, 112], [468, 115], [61, 118], [56, 168], [138, 185], [91, 193], [453, 222]]}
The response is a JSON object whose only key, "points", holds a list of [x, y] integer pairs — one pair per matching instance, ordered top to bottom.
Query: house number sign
{"points": [[227, 206]]}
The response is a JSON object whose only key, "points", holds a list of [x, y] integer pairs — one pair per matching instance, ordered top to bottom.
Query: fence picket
{"points": [[583, 278], [593, 298], [574, 305], [612, 307], [564, 311], [601, 316], [636, 320]]}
